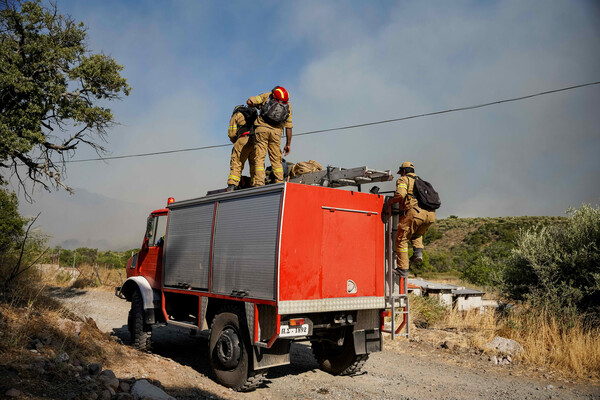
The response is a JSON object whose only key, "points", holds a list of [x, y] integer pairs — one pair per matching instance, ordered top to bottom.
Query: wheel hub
{"points": [[228, 348]]}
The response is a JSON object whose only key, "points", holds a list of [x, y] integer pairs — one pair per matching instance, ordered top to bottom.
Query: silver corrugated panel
{"points": [[245, 246], [187, 248], [334, 304]]}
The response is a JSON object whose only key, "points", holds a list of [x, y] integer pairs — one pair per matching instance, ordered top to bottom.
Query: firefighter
{"points": [[275, 115], [239, 131], [413, 222]]}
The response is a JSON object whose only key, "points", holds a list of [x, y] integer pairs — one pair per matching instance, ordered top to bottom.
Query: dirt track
{"points": [[404, 370]]}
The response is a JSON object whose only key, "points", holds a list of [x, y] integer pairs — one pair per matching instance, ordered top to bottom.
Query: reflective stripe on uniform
{"points": [[232, 126], [259, 169], [277, 169], [235, 178], [403, 185], [403, 250]]}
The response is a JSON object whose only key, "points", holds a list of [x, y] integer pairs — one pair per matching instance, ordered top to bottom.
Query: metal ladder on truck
{"points": [[396, 288]]}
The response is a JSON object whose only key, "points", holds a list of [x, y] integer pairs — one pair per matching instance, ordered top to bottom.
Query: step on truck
{"points": [[263, 267]]}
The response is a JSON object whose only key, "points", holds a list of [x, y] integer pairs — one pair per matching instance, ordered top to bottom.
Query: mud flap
{"points": [[367, 341], [278, 354]]}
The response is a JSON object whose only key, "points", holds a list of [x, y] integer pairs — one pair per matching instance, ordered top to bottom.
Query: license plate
{"points": [[289, 331]]}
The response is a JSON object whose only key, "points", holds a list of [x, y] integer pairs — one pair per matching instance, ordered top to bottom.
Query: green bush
{"points": [[558, 266], [425, 311]]}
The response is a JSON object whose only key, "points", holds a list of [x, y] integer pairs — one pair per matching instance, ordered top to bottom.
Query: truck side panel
{"points": [[245, 246], [187, 247], [332, 250]]}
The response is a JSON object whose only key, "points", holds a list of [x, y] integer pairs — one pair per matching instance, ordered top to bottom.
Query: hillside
{"points": [[458, 246]]}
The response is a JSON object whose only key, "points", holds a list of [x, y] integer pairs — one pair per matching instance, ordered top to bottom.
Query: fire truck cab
{"points": [[260, 268]]}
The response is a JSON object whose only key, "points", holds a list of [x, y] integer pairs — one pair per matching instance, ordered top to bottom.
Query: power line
{"points": [[387, 121]]}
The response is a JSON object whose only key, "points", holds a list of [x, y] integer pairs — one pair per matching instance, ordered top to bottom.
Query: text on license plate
{"points": [[287, 331]]}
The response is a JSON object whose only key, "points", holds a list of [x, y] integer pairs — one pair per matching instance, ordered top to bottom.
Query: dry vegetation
{"points": [[83, 276], [569, 348]]}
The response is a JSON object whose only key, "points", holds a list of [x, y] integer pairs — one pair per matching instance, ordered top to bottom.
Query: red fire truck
{"points": [[262, 267]]}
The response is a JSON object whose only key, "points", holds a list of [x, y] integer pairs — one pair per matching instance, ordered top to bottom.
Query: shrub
{"points": [[557, 267], [425, 311]]}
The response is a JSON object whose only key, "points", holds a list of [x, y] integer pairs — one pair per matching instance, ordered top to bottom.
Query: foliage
{"points": [[51, 88], [11, 223], [431, 235], [20, 248], [478, 248], [85, 255], [558, 267], [425, 311]]}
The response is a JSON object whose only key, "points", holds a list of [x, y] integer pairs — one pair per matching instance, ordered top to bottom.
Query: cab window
{"points": [[157, 226]]}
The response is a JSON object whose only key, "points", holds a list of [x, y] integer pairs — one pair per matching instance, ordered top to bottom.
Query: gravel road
{"points": [[404, 370]]}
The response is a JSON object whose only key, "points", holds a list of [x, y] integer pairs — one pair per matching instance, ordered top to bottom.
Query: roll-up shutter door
{"points": [[245, 246], [187, 251]]}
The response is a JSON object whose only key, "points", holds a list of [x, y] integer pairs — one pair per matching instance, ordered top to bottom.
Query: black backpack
{"points": [[274, 112], [250, 114], [426, 195]]}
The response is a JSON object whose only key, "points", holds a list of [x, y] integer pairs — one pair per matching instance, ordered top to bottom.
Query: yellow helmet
{"points": [[406, 164]]}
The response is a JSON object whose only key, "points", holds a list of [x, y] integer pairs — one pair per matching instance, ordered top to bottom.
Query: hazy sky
{"points": [[190, 62]]}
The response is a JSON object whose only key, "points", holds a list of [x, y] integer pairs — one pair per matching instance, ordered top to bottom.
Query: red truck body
{"points": [[273, 265]]}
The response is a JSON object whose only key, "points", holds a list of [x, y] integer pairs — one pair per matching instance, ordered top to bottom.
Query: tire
{"points": [[140, 333], [229, 350], [339, 360]]}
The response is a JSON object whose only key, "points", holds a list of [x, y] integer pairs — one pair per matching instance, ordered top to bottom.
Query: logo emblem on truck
{"points": [[350, 286]]}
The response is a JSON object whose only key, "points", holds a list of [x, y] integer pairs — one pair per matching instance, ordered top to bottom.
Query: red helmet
{"points": [[279, 93]]}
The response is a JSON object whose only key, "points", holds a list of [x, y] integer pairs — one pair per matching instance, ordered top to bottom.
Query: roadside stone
{"points": [[506, 346], [62, 357], [493, 360], [94, 368], [108, 372], [109, 382], [124, 387], [550, 387], [143, 389], [13, 393], [106, 395], [93, 396], [124, 396]]}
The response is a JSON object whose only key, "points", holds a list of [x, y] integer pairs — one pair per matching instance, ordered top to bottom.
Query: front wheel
{"points": [[139, 332], [229, 348], [339, 360]]}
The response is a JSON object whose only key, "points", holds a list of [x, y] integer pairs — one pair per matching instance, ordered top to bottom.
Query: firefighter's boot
{"points": [[231, 188], [417, 256], [402, 273]]}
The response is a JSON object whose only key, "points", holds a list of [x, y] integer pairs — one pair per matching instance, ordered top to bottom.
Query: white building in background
{"points": [[462, 298]]}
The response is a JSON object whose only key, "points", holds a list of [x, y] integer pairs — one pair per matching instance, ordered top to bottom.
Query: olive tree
{"points": [[53, 93]]}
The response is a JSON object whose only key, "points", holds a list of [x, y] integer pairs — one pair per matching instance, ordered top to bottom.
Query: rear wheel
{"points": [[140, 333], [229, 350], [339, 360]]}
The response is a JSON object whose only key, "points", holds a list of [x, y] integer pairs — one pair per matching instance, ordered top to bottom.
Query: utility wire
{"points": [[387, 121]]}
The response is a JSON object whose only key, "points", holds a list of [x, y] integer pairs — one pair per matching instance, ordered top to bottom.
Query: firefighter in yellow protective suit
{"points": [[275, 115], [243, 144], [413, 222]]}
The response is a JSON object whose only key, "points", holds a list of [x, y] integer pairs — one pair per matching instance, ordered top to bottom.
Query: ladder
{"points": [[339, 177], [396, 288]]}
